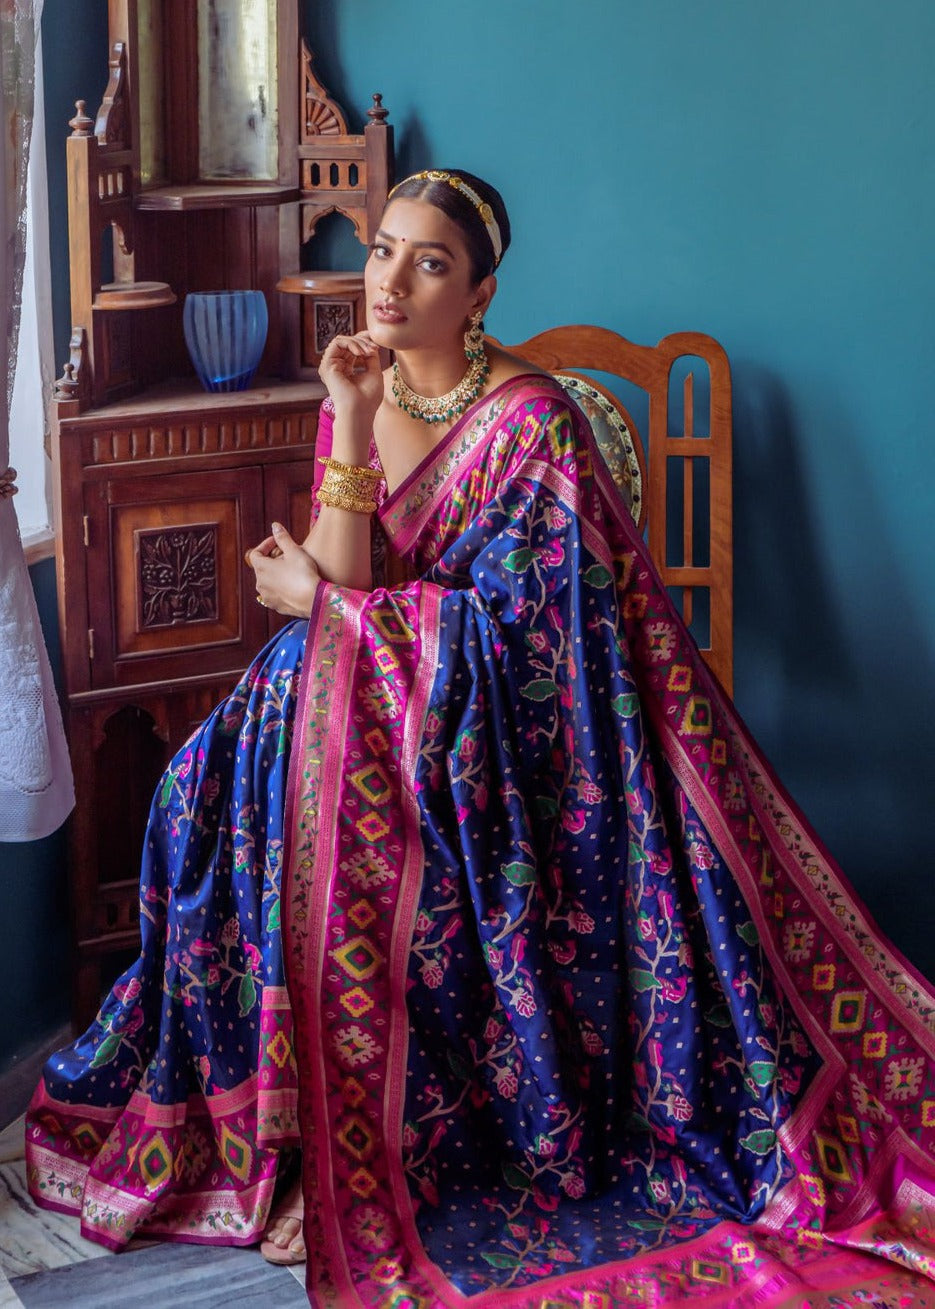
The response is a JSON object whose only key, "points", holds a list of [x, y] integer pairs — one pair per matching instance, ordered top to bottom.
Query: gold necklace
{"points": [[442, 408]]}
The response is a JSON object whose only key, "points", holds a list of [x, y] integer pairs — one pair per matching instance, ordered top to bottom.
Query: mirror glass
{"points": [[237, 90], [151, 93]]}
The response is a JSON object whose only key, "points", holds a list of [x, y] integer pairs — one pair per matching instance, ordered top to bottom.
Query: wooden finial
{"points": [[376, 113], [81, 124], [66, 386], [72, 386]]}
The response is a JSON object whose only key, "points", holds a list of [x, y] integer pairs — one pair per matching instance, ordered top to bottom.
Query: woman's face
{"points": [[417, 280]]}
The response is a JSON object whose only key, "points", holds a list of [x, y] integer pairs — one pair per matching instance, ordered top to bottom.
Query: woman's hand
{"points": [[350, 369], [8, 485], [286, 576]]}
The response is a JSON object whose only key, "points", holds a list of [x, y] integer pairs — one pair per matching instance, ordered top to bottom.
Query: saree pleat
{"points": [[585, 1015], [168, 1115]]}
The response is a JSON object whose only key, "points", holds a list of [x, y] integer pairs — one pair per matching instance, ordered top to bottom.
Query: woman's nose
{"points": [[393, 281]]}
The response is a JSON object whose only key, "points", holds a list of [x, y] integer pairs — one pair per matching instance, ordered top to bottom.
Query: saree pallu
{"points": [[584, 1014], [168, 1116]]}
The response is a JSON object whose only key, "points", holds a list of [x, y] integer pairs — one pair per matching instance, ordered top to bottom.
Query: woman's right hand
{"points": [[350, 369]]}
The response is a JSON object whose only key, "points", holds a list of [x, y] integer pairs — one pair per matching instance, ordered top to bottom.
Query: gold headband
{"points": [[483, 209]]}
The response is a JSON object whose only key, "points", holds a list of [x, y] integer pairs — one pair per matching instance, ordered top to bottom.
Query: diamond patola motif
{"points": [[392, 626], [372, 783], [372, 827], [362, 914], [358, 958], [356, 1001], [279, 1050], [353, 1093], [356, 1137], [87, 1138], [236, 1153], [832, 1159], [156, 1161], [362, 1183]]}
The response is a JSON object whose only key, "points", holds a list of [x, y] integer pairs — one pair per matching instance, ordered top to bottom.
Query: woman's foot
{"points": [[283, 1242]]}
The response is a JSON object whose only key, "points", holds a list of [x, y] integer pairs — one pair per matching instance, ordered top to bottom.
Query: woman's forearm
{"points": [[339, 542]]}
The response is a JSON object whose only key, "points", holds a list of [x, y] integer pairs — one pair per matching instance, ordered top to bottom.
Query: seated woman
{"points": [[575, 996]]}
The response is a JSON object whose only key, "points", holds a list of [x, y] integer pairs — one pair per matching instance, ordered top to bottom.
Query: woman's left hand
{"points": [[286, 576]]}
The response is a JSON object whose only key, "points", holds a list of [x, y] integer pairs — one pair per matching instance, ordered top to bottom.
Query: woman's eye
{"points": [[378, 251], [432, 265]]}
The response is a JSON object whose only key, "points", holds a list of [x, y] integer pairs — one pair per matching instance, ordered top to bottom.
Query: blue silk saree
{"points": [[584, 1013], [168, 1116]]}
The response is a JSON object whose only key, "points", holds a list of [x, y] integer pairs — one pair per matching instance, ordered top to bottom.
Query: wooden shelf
{"points": [[215, 195], [320, 283], [134, 295], [184, 396]]}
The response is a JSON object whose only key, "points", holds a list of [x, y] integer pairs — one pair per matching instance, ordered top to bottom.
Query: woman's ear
{"points": [[486, 289]]}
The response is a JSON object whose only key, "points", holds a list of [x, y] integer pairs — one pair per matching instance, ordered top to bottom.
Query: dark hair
{"points": [[463, 211]]}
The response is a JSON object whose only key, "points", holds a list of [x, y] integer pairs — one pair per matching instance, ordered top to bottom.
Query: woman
{"points": [[582, 1013]]}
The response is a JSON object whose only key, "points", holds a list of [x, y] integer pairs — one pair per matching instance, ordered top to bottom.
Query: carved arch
{"points": [[311, 214]]}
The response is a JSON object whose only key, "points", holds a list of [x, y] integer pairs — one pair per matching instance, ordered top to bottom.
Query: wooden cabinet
{"points": [[184, 181], [159, 498]]}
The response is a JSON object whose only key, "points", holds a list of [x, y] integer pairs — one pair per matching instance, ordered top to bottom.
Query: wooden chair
{"points": [[676, 475]]}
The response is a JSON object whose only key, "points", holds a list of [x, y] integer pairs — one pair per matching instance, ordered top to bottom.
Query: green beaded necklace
{"points": [[443, 408]]}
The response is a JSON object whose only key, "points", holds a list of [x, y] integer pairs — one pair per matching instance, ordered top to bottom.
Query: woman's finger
{"points": [[267, 549]]}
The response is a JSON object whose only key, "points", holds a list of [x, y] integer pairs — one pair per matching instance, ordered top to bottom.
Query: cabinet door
{"points": [[288, 488], [169, 594]]}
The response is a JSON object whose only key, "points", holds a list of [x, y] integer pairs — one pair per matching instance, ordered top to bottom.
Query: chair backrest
{"points": [[676, 477]]}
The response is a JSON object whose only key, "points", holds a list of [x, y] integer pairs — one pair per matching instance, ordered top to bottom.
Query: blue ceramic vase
{"points": [[225, 332]]}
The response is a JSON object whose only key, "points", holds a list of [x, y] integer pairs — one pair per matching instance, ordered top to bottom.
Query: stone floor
{"points": [[44, 1262]]}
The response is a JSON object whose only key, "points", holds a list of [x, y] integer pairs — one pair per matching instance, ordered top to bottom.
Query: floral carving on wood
{"points": [[332, 318], [178, 580]]}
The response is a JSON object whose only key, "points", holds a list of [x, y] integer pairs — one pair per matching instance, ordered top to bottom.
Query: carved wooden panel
{"points": [[324, 317], [332, 318], [178, 576]]}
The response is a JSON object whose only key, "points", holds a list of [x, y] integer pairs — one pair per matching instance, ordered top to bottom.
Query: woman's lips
{"points": [[385, 313]]}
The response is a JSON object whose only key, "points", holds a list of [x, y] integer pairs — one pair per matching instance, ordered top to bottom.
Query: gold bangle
{"points": [[351, 470], [346, 487], [341, 498]]}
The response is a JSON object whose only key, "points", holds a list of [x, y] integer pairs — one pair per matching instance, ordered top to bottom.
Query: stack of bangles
{"points": [[346, 486]]}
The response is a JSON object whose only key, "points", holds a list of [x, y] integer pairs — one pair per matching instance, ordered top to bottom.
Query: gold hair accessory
{"points": [[482, 207], [443, 408], [348, 486]]}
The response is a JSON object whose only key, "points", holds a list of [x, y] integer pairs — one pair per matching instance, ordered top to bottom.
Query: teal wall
{"points": [[74, 57], [762, 173]]}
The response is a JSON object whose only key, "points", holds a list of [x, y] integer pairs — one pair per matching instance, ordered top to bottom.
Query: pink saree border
{"points": [[312, 817], [407, 908], [189, 1219]]}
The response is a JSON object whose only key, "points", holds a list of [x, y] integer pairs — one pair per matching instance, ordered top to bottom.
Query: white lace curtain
{"points": [[36, 793]]}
